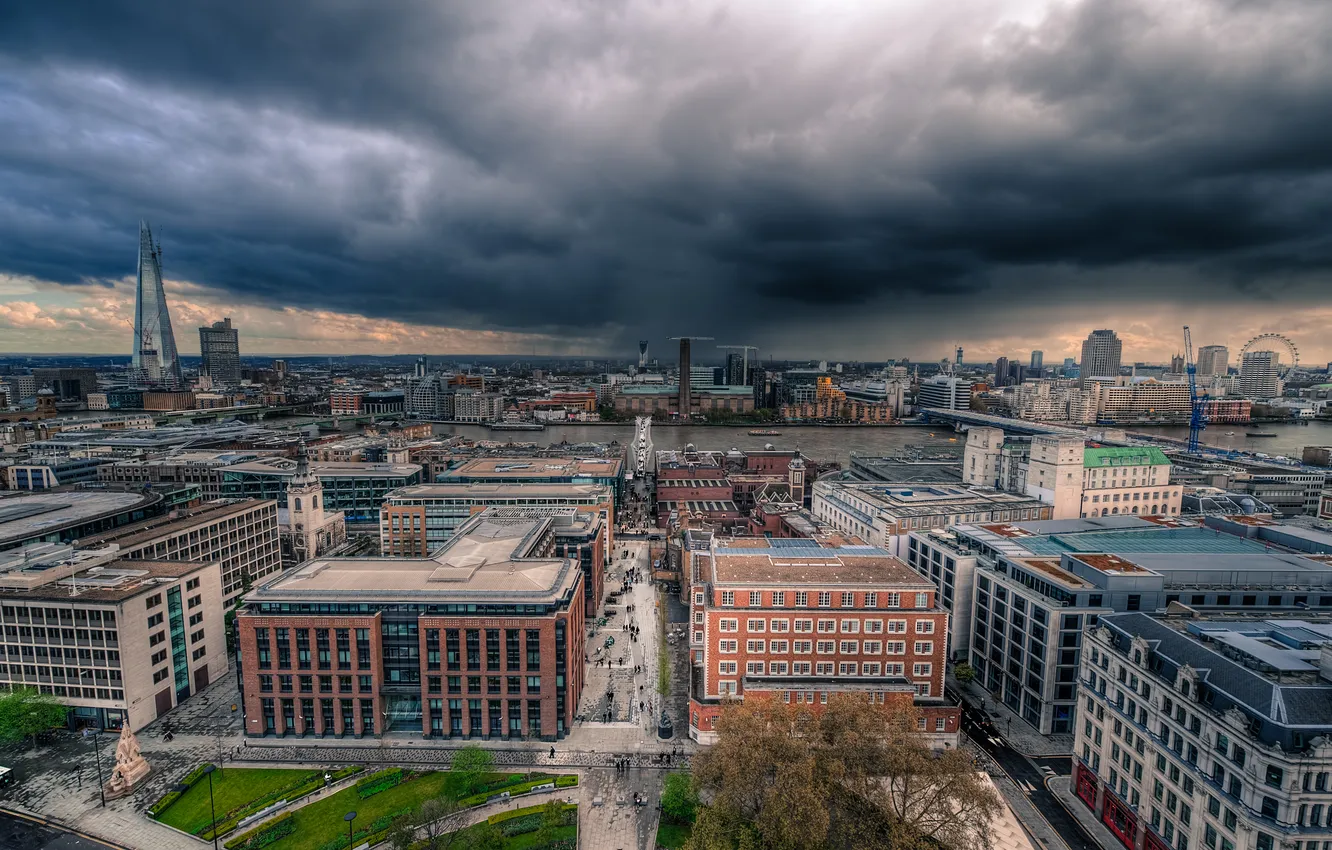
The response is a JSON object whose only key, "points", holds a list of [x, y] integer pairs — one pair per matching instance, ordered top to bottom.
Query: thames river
{"points": [[822, 444], [836, 444]]}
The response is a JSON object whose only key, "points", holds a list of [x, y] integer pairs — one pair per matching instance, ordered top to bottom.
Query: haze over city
{"points": [[840, 180]]}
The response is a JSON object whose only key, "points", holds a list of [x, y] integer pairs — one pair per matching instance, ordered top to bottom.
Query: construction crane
{"points": [[744, 377], [1197, 403]]}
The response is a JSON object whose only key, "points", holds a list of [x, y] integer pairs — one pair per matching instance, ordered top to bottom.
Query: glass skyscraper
{"points": [[155, 359]]}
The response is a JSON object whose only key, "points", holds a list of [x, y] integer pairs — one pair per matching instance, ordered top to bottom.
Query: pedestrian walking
{"points": [[552, 753]]}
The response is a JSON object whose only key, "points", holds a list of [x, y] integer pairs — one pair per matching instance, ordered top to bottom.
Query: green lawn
{"points": [[232, 787], [321, 822], [672, 835], [528, 840]]}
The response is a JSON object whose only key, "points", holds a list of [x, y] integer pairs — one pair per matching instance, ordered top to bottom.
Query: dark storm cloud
{"points": [[626, 169]]}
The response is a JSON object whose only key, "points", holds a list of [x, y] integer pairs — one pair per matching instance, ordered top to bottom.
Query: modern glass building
{"points": [[155, 360]]}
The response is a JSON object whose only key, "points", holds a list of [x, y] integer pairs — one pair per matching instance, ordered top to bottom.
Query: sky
{"points": [[838, 180]]}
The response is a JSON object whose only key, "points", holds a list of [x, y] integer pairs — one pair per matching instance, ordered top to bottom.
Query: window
{"points": [[728, 598], [755, 598], [779, 599], [802, 599], [825, 599], [848, 599], [871, 600], [894, 600], [922, 600], [153, 601], [155, 620], [726, 624], [756, 625], [780, 625], [804, 625], [827, 626], [850, 627], [874, 627], [897, 627], [924, 627], [728, 646], [755, 646], [777, 646], [804, 647], [826, 647], [849, 647], [873, 647], [895, 647], [924, 647], [726, 668], [754, 668], [777, 668], [846, 668], [872, 669], [921, 669], [159, 675], [1274, 776]]}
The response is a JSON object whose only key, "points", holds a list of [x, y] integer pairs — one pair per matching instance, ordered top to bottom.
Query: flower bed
{"points": [[379, 781]]}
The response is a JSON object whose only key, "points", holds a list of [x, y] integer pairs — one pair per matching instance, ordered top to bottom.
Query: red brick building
{"points": [[801, 619], [484, 640]]}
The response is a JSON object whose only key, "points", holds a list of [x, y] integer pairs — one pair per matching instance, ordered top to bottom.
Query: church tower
{"points": [[795, 477], [305, 509]]}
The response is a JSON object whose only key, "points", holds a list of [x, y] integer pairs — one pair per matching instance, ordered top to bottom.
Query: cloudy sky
{"points": [[871, 179]]}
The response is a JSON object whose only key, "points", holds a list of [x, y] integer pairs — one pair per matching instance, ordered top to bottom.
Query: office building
{"points": [[219, 346], [1101, 352], [155, 360], [1213, 360], [1037, 363], [736, 369], [1001, 372], [1259, 376], [68, 384], [944, 392], [429, 397], [684, 400], [1141, 400], [1046, 401], [472, 406], [201, 468], [44, 471], [607, 472], [1128, 480], [357, 489], [66, 514], [884, 514], [418, 520], [241, 537], [1039, 587], [800, 619], [483, 640], [119, 641], [1207, 733]]}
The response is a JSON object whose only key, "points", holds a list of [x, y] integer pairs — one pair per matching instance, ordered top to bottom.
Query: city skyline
{"points": [[563, 181]]}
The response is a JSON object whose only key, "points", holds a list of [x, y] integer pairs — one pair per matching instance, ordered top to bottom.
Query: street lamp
{"points": [[208, 771], [101, 789], [349, 817]]}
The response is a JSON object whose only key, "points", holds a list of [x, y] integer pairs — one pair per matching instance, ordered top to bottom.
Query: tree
{"points": [[964, 673], [26, 713], [470, 764], [851, 775], [679, 800], [552, 818], [435, 825], [483, 836]]}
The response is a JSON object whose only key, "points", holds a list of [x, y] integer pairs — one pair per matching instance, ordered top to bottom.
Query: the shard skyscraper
{"points": [[155, 359]]}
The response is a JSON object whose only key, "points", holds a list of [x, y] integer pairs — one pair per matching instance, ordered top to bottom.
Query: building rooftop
{"points": [[674, 389], [1124, 456], [283, 466], [518, 468], [524, 490], [908, 500], [26, 515], [129, 536], [1132, 538], [490, 557], [812, 562], [1051, 568], [47, 572], [1268, 665]]}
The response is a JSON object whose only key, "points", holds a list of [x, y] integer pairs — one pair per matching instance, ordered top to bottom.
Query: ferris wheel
{"points": [[1272, 342]]}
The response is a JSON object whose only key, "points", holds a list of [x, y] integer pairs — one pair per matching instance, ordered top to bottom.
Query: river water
{"points": [[1289, 441], [822, 444], [836, 444]]}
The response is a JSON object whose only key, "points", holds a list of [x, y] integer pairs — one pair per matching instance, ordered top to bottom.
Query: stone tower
{"points": [[305, 509]]}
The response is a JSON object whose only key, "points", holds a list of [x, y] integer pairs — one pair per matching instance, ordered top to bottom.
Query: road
{"points": [[1029, 775], [21, 834]]}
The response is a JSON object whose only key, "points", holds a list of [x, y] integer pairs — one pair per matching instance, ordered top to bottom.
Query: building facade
{"points": [[219, 346], [1101, 352], [1213, 360], [1259, 375], [944, 392], [1129, 480], [241, 537], [763, 623], [484, 640], [118, 641], [1208, 734]]}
